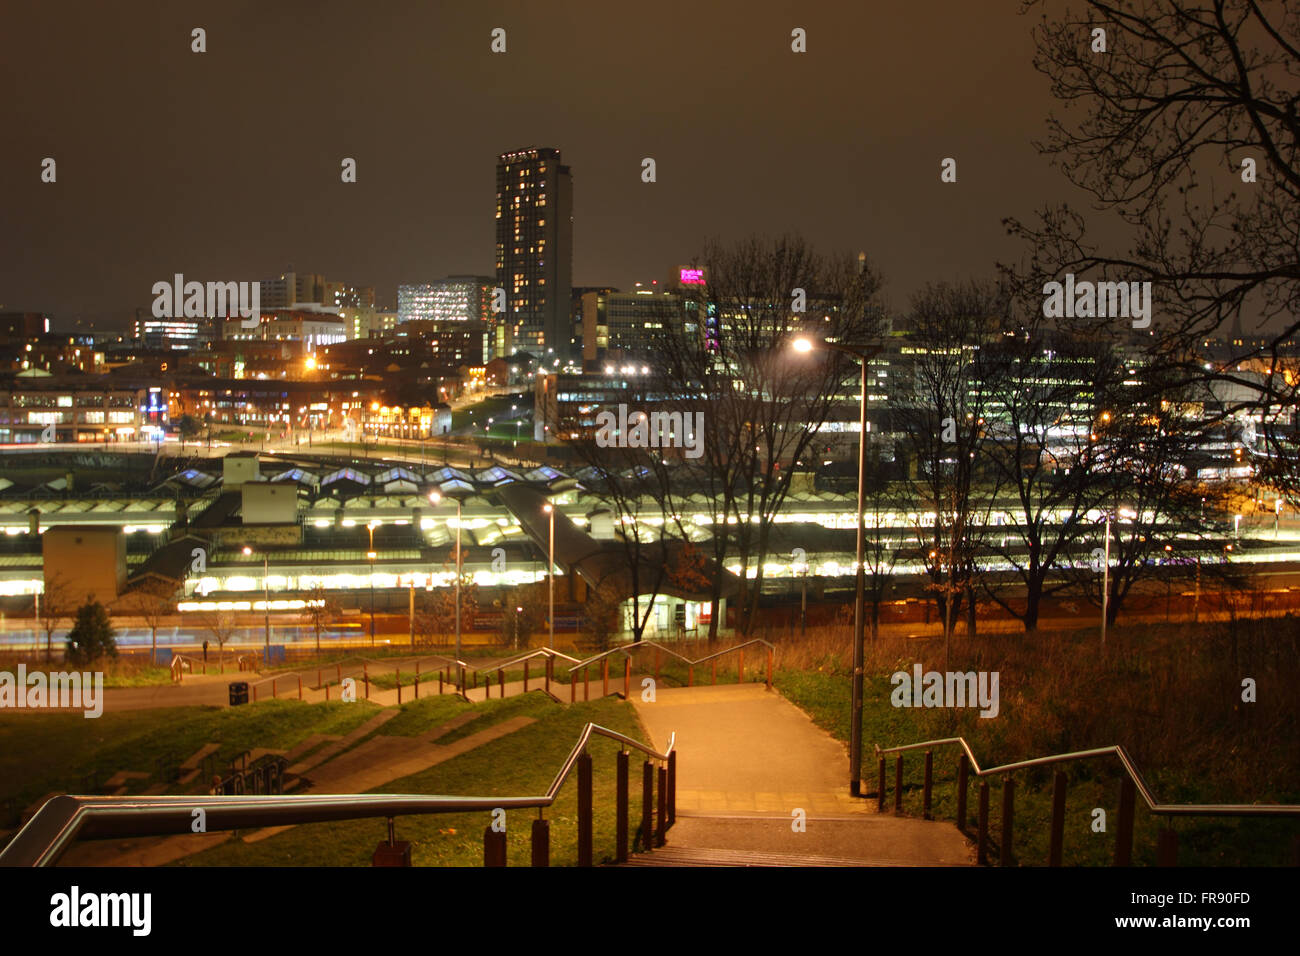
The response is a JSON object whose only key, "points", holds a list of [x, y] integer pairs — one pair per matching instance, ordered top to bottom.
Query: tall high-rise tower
{"points": [[535, 249]]}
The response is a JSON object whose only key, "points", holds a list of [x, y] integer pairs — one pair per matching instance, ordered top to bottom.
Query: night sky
{"points": [[225, 165]]}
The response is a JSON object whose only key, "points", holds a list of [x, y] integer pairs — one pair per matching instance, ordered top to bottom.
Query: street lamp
{"points": [[434, 498], [370, 556], [550, 574], [1105, 582], [266, 600], [859, 616]]}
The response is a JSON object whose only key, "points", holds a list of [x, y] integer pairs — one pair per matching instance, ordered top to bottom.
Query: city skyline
{"points": [[849, 158]]}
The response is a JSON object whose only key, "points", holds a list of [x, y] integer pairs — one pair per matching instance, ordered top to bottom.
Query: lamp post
{"points": [[434, 498], [370, 555], [550, 576], [1105, 582], [266, 600], [859, 616]]}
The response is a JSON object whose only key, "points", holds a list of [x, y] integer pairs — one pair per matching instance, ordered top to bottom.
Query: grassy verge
{"points": [[1058, 696], [40, 753], [521, 763]]}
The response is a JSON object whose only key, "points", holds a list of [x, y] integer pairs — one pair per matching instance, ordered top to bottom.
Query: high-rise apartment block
{"points": [[534, 220]]}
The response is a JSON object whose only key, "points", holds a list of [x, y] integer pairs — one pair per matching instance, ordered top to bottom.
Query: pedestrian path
{"points": [[755, 775]]}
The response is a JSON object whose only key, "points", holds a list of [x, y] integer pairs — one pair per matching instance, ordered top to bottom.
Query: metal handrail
{"points": [[627, 649], [365, 661], [1117, 750], [63, 819]]}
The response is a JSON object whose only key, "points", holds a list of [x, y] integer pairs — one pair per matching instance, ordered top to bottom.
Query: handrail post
{"points": [[550, 666], [440, 674], [690, 675], [366, 676], [604, 676], [525, 677], [627, 677], [501, 681], [273, 682], [586, 684], [399, 686], [573, 687], [327, 691], [254, 693], [929, 779], [898, 783], [672, 787], [963, 787], [880, 788], [647, 804], [584, 809], [661, 811], [620, 812], [1008, 819], [1058, 820], [1124, 835], [541, 842], [982, 842], [1167, 846], [494, 847]]}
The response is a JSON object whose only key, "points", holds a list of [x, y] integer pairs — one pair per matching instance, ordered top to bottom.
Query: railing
{"points": [[660, 649], [181, 663], [1132, 784], [64, 819]]}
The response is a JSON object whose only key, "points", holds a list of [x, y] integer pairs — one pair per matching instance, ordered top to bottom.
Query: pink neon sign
{"points": [[692, 276]]}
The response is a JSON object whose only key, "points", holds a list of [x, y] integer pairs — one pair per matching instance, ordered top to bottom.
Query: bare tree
{"points": [[1187, 130], [762, 403], [152, 600], [54, 606], [320, 611], [221, 625]]}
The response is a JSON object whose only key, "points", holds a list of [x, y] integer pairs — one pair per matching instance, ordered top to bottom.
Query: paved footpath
{"points": [[748, 759]]}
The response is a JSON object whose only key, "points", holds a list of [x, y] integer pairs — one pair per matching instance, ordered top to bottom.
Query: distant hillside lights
{"points": [[195, 300], [1126, 300], [652, 430]]}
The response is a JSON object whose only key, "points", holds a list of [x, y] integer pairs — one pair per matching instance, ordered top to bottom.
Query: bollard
{"points": [[963, 767], [898, 784], [880, 788], [925, 792], [647, 804], [584, 809], [620, 809], [661, 810], [1008, 820], [1058, 820], [1124, 835], [982, 842], [541, 843], [494, 847], [1167, 848]]}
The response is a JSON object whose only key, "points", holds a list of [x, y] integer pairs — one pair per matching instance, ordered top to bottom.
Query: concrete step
{"points": [[695, 856]]}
